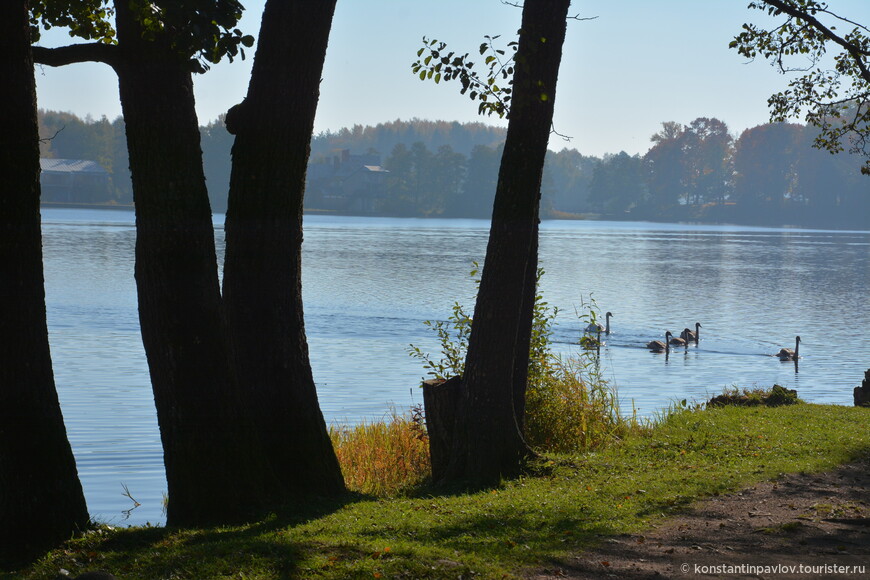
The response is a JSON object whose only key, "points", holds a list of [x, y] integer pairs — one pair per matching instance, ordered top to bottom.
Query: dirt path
{"points": [[820, 521]]}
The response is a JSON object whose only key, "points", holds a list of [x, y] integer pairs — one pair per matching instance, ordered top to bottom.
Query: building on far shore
{"points": [[74, 181], [346, 183]]}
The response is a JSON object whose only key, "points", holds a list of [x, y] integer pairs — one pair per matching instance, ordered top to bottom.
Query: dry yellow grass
{"points": [[383, 458]]}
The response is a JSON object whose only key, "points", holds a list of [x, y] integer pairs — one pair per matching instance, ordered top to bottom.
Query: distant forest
{"points": [[769, 175]]}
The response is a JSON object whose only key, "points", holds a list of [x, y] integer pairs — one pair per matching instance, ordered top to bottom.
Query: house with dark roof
{"points": [[74, 181], [346, 182]]}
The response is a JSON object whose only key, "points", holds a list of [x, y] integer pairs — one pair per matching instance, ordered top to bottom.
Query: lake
{"points": [[369, 283]]}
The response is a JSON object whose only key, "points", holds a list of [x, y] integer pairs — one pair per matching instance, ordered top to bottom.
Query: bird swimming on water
{"points": [[595, 327], [690, 336], [659, 346], [789, 354]]}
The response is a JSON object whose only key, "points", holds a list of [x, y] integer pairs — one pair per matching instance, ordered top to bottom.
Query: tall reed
{"points": [[383, 458]]}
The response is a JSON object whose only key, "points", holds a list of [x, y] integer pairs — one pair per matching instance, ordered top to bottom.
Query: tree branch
{"points": [[578, 17], [856, 52], [76, 53], [50, 139]]}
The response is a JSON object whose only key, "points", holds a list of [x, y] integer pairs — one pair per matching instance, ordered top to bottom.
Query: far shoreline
{"points": [[558, 216], [626, 217]]}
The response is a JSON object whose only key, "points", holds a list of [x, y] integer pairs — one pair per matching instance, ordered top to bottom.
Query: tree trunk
{"points": [[262, 270], [524, 334], [440, 399], [488, 443], [210, 459], [41, 500]]}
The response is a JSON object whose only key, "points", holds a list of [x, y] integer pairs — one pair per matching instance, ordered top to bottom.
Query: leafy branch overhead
{"points": [[87, 19], [202, 30], [484, 87], [832, 92]]}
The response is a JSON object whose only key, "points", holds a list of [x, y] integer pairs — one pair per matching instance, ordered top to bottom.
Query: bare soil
{"points": [[818, 521]]}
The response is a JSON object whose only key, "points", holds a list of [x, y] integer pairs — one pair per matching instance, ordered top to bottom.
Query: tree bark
{"points": [[262, 269], [524, 333], [440, 399], [488, 443], [209, 454], [41, 499]]}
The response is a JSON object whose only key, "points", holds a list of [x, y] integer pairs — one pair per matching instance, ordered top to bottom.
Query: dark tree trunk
{"points": [[262, 270], [524, 334], [440, 399], [488, 443], [208, 453], [41, 500]]}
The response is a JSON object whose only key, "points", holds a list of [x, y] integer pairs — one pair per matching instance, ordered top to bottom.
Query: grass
{"points": [[571, 501]]}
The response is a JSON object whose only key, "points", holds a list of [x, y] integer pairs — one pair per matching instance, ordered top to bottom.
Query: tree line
{"points": [[770, 174]]}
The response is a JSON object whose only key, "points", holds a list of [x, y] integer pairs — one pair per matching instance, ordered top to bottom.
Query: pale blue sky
{"points": [[641, 62]]}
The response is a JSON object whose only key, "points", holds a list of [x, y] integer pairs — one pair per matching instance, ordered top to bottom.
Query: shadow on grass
{"points": [[568, 505], [160, 552]]}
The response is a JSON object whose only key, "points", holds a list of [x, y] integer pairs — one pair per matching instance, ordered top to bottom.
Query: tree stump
{"points": [[862, 393], [440, 400]]}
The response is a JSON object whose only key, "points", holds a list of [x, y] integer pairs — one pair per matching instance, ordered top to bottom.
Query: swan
{"points": [[595, 327], [690, 336], [659, 346], [789, 354]]}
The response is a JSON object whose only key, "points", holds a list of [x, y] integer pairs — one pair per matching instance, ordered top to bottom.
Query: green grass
{"points": [[570, 502]]}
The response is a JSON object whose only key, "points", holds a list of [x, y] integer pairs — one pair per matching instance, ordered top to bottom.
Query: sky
{"points": [[637, 64]]}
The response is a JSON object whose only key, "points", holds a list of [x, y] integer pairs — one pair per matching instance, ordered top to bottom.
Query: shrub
{"points": [[774, 397], [569, 405], [573, 408]]}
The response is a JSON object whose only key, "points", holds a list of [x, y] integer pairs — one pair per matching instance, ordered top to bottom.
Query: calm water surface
{"points": [[370, 282]]}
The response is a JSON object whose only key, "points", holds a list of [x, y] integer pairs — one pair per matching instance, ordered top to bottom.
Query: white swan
{"points": [[595, 327], [789, 354]]}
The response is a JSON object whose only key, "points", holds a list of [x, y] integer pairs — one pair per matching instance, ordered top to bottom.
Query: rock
{"points": [[862, 394]]}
